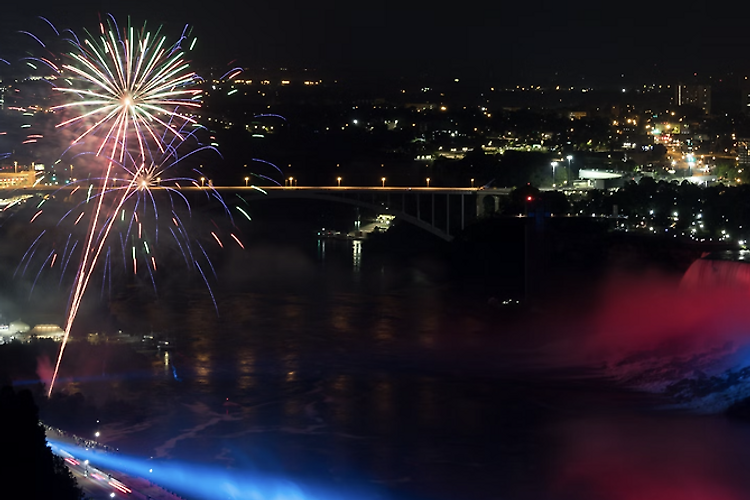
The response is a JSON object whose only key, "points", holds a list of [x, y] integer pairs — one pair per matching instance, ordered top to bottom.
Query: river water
{"points": [[332, 369]]}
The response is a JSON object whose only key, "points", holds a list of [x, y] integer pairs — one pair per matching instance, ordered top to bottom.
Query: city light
{"points": [[554, 166]]}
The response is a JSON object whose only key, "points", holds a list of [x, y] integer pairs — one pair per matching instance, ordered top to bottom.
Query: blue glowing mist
{"points": [[213, 483]]}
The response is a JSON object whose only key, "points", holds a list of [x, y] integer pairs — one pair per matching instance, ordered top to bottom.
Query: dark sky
{"points": [[522, 41]]}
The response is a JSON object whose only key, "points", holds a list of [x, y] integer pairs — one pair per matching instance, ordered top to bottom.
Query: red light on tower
{"points": [[529, 198]]}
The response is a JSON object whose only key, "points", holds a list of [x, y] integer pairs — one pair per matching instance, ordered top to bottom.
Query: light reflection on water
{"points": [[356, 257], [246, 369], [415, 389]]}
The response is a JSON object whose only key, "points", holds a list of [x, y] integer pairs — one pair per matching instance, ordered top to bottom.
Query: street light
{"points": [[569, 158], [554, 166], [203, 179], [246, 179], [291, 179], [338, 179], [382, 179], [428, 182], [472, 182]]}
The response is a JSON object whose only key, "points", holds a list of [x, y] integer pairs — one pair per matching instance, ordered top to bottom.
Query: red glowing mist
{"points": [[704, 311], [688, 339], [44, 370], [637, 458]]}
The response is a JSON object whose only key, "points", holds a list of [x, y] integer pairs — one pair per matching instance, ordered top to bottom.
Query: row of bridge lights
{"points": [[291, 181]]}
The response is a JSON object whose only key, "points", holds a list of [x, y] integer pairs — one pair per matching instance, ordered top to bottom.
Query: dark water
{"points": [[331, 366]]}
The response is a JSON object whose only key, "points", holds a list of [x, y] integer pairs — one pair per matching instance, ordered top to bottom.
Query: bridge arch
{"points": [[400, 214]]}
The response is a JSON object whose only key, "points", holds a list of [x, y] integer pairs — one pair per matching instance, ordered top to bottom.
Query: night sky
{"points": [[524, 42]]}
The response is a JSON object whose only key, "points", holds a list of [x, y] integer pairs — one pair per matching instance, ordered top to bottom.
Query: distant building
{"points": [[695, 95], [421, 106], [743, 151], [17, 179], [601, 179], [17, 327], [15, 330], [47, 331]]}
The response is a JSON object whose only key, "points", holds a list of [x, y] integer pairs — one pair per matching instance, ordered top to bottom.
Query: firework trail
{"points": [[128, 89], [143, 202]]}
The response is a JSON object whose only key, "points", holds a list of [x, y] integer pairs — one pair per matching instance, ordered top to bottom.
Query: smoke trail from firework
{"points": [[130, 86]]}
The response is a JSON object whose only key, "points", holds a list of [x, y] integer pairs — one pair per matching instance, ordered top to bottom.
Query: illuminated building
{"points": [[695, 95], [745, 100], [743, 151], [17, 179], [47, 331]]}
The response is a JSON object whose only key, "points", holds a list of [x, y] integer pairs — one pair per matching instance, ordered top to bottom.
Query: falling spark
{"points": [[238, 241]]}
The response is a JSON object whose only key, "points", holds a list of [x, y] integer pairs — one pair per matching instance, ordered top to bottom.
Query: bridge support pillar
{"points": [[487, 204], [433, 209], [448, 214], [463, 218]]}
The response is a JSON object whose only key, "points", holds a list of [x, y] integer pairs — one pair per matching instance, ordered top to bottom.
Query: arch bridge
{"points": [[440, 211]]}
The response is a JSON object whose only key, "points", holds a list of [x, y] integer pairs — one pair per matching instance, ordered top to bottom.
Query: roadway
{"points": [[330, 189], [98, 483]]}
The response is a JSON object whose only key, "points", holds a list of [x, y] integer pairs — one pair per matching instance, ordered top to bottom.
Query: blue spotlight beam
{"points": [[210, 482]]}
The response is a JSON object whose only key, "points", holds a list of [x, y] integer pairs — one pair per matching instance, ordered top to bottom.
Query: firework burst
{"points": [[128, 89], [129, 101]]}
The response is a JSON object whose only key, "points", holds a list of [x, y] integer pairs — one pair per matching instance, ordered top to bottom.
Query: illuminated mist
{"points": [[688, 341], [643, 458], [212, 483]]}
